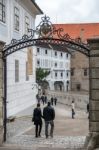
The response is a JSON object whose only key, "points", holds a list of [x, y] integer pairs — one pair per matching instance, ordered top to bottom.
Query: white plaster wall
{"points": [[22, 94]]}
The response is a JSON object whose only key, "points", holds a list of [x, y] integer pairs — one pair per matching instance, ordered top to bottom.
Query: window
{"points": [[2, 11], [16, 18], [26, 24], [38, 50], [46, 51], [55, 53], [61, 54], [67, 55], [38, 62], [55, 64], [16, 70], [72, 71], [85, 72], [55, 74], [61, 74], [67, 74], [27, 76], [78, 86]]}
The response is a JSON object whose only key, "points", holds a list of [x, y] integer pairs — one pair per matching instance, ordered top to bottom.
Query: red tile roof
{"points": [[84, 30]]}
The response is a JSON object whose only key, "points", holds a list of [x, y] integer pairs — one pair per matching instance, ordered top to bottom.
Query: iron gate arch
{"points": [[46, 34]]}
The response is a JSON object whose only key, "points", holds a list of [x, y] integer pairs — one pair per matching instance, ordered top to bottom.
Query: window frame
{"points": [[3, 11], [16, 19], [27, 23], [38, 50], [46, 51], [55, 53], [61, 54], [67, 55], [38, 64], [55, 64], [72, 71], [85, 73], [55, 74], [61, 74], [67, 74]]}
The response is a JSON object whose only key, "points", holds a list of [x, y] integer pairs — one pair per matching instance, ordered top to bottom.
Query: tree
{"points": [[41, 74]]}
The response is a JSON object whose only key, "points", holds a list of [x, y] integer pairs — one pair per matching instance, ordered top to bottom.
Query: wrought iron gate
{"points": [[47, 34]]}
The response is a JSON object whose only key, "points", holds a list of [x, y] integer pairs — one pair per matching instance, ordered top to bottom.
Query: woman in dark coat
{"points": [[37, 119]]}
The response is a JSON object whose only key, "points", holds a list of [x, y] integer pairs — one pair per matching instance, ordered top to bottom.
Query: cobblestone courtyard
{"points": [[68, 133]]}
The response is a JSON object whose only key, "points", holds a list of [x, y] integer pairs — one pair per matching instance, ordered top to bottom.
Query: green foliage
{"points": [[41, 74]]}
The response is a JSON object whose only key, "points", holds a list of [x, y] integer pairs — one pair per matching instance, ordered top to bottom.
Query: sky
{"points": [[70, 11]]}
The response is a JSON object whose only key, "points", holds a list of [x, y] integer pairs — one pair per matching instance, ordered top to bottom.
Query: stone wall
{"points": [[1, 94], [94, 94], [81, 99]]}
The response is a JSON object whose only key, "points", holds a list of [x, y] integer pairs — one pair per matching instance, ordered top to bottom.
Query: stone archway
{"points": [[58, 86], [93, 139]]}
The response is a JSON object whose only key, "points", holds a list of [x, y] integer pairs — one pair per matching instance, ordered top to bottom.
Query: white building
{"points": [[16, 16], [58, 63]]}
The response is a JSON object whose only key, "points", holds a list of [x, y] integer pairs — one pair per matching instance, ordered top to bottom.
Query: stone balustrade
{"points": [[81, 99]]}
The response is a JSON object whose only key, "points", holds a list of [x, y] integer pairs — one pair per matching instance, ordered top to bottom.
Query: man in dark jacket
{"points": [[49, 116], [37, 118]]}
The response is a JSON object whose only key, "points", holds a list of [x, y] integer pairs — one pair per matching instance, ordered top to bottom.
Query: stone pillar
{"points": [[1, 94], [93, 141]]}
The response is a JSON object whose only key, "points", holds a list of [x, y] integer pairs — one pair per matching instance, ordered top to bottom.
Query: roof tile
{"points": [[84, 30]]}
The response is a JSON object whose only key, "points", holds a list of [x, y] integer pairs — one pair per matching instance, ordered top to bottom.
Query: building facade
{"points": [[16, 17], [79, 62], [58, 63], [79, 72]]}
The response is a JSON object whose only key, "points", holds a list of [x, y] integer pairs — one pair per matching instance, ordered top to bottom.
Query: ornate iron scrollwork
{"points": [[45, 28], [47, 33]]}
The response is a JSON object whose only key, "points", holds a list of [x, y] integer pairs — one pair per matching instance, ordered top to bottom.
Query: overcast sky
{"points": [[70, 11]]}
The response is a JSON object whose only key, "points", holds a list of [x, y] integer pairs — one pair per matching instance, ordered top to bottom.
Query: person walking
{"points": [[38, 98], [52, 100], [55, 101], [73, 109], [49, 116], [37, 119]]}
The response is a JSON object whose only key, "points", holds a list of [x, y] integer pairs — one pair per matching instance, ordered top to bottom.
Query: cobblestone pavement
{"points": [[69, 133], [57, 141]]}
